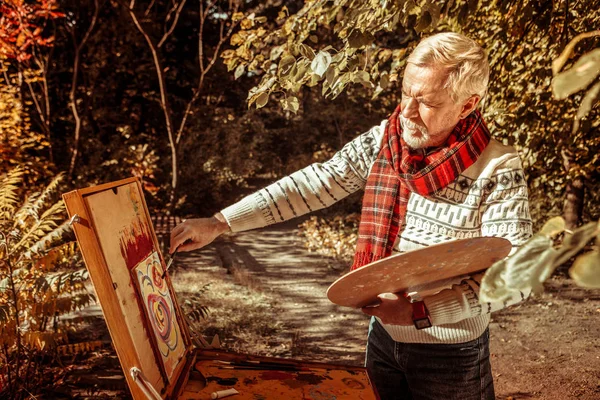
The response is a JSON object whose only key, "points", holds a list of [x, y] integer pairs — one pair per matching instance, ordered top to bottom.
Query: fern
{"points": [[9, 192], [34, 204], [45, 225], [43, 245], [48, 259], [41, 278], [78, 348]]}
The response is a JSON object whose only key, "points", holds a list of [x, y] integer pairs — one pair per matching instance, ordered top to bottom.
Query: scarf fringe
{"points": [[362, 258]]}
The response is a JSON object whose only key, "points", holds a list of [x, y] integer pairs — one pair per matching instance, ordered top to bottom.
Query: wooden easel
{"points": [[122, 254]]}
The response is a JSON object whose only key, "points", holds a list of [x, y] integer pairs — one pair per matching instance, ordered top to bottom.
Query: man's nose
{"points": [[411, 108]]}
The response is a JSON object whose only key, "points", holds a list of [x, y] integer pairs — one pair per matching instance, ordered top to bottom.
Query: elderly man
{"points": [[431, 173]]}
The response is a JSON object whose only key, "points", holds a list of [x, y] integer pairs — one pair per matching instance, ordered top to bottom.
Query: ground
{"points": [[267, 296]]}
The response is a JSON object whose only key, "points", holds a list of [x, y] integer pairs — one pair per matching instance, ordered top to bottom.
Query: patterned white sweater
{"points": [[488, 199]]}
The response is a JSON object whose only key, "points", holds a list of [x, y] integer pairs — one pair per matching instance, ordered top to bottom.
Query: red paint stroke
{"points": [[136, 243], [157, 279]]}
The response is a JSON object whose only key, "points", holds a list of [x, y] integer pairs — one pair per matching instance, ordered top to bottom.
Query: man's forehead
{"points": [[423, 80]]}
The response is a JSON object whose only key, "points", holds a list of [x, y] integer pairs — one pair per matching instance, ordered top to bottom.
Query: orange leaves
{"points": [[22, 27], [334, 237], [57, 256], [78, 348]]}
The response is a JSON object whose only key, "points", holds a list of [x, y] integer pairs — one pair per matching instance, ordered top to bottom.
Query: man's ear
{"points": [[469, 106]]}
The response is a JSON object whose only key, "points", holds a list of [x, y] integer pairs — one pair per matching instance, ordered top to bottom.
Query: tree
{"points": [[226, 15], [24, 40], [337, 44]]}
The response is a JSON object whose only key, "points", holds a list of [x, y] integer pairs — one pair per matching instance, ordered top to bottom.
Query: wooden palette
{"points": [[417, 268], [275, 378]]}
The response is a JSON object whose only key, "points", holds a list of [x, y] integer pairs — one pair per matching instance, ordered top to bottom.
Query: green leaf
{"points": [[408, 7], [424, 22], [358, 39], [276, 52], [307, 52], [566, 53], [321, 63], [286, 64], [585, 70], [239, 71], [330, 75], [363, 78], [314, 80], [384, 80], [262, 100], [291, 103], [586, 104], [553, 227], [573, 243], [586, 270], [521, 271]]}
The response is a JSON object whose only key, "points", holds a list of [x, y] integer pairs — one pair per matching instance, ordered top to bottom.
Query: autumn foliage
{"points": [[23, 27]]}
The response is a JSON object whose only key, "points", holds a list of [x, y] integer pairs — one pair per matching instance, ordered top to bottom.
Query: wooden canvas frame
{"points": [[128, 324]]}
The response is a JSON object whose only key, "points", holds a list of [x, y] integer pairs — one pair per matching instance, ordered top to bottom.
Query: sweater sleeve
{"points": [[317, 186], [504, 213]]}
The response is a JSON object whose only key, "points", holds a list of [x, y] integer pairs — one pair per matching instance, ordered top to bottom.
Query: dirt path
{"points": [[298, 281], [272, 301], [546, 348]]}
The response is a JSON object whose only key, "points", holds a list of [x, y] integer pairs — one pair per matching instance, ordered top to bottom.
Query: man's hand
{"points": [[197, 232], [392, 309]]}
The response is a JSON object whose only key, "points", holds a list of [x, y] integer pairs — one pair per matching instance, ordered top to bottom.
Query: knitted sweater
{"points": [[488, 199]]}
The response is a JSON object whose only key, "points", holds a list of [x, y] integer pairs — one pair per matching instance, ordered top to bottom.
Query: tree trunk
{"points": [[575, 192]]}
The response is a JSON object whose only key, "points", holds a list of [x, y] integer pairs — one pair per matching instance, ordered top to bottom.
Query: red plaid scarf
{"points": [[398, 171]]}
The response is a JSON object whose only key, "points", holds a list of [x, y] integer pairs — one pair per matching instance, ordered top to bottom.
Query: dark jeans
{"points": [[429, 371]]}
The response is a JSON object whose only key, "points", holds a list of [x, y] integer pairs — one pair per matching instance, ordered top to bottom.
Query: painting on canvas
{"points": [[125, 235]]}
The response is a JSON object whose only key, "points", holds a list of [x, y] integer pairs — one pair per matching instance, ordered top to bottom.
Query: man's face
{"points": [[428, 112]]}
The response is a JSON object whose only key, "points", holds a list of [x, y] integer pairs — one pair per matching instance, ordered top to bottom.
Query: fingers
{"points": [[177, 230], [199, 232], [179, 235], [177, 241], [189, 246], [390, 309], [372, 311]]}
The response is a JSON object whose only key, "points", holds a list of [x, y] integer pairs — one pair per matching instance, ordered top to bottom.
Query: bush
{"points": [[334, 237], [41, 279]]}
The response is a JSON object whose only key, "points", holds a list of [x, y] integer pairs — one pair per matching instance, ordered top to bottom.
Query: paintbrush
{"points": [[170, 262], [256, 362], [259, 365], [263, 368]]}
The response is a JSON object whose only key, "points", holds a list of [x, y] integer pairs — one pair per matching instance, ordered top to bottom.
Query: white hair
{"points": [[465, 61]]}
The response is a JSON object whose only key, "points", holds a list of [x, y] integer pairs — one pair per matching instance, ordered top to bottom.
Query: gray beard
{"points": [[412, 141]]}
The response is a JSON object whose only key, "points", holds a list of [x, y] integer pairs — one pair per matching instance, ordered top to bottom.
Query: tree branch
{"points": [[149, 8], [172, 28], [205, 69], [5, 73], [72, 100], [164, 102]]}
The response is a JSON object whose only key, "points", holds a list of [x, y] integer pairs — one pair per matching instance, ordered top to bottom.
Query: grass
{"points": [[239, 311]]}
